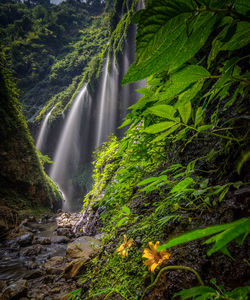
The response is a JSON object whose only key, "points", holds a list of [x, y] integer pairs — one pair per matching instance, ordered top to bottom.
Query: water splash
{"points": [[41, 140], [68, 150]]}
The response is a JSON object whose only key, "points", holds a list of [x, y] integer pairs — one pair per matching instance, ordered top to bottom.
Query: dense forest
{"points": [[166, 213]]}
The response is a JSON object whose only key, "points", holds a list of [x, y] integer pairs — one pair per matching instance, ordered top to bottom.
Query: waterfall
{"points": [[107, 108], [43, 132], [67, 154]]}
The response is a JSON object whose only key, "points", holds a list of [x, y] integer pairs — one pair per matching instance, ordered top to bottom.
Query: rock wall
{"points": [[22, 178]]}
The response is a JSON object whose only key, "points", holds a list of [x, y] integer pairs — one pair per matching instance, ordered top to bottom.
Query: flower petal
{"points": [[125, 238], [120, 248], [153, 266]]}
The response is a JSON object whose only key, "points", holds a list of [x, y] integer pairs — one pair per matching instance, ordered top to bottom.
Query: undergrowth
{"points": [[186, 150]]}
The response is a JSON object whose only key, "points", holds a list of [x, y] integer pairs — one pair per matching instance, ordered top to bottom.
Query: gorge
{"points": [[138, 186]]}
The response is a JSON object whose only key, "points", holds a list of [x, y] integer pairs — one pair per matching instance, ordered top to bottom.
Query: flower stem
{"points": [[172, 268]]}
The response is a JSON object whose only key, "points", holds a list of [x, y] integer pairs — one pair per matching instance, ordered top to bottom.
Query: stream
{"points": [[42, 259]]}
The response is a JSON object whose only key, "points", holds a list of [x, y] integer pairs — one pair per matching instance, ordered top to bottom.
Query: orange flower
{"points": [[123, 249], [154, 258]]}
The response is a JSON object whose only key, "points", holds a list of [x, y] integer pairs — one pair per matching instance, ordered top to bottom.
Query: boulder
{"points": [[84, 246], [55, 265], [75, 268], [16, 290]]}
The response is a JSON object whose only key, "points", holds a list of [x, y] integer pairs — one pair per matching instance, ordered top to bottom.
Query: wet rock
{"points": [[25, 239], [60, 239], [41, 240], [83, 247], [31, 250], [30, 265], [54, 265], [75, 268], [33, 274], [15, 290]]}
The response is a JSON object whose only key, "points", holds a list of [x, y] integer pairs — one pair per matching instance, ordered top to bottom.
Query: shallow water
{"points": [[14, 264]]}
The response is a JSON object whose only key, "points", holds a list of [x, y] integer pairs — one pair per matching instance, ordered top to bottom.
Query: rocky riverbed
{"points": [[43, 259]]}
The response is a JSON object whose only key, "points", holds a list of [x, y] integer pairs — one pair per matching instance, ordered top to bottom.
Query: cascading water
{"points": [[107, 109], [89, 123], [41, 140], [68, 151]]}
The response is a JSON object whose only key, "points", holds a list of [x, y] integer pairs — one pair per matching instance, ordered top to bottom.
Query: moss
{"points": [[24, 180]]}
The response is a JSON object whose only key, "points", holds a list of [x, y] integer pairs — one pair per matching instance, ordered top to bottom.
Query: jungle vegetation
{"points": [[49, 46], [184, 156]]}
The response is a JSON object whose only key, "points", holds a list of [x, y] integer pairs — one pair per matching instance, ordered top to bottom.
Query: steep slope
{"points": [[183, 163], [23, 181]]}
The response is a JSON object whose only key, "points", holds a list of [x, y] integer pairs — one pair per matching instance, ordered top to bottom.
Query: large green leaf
{"points": [[156, 22], [239, 39], [177, 48], [182, 80], [164, 111], [185, 111], [159, 127], [182, 185], [201, 233], [228, 235], [205, 291]]}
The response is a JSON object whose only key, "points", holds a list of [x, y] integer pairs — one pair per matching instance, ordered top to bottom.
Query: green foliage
{"points": [[50, 46], [186, 131], [225, 234], [206, 292]]}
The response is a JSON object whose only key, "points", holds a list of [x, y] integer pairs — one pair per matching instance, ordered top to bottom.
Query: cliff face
{"points": [[23, 182]]}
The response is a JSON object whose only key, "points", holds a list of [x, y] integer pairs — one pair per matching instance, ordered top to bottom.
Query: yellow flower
{"points": [[123, 249], [154, 258]]}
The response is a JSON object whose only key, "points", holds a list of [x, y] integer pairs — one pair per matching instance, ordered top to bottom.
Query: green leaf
{"points": [[155, 22], [240, 39], [177, 47], [183, 80], [164, 111], [185, 111], [198, 116], [125, 123], [159, 127], [204, 127], [165, 134], [243, 160], [152, 179], [204, 183], [182, 185], [223, 193], [126, 210], [121, 221], [196, 234], [222, 239], [206, 291], [241, 293]]}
